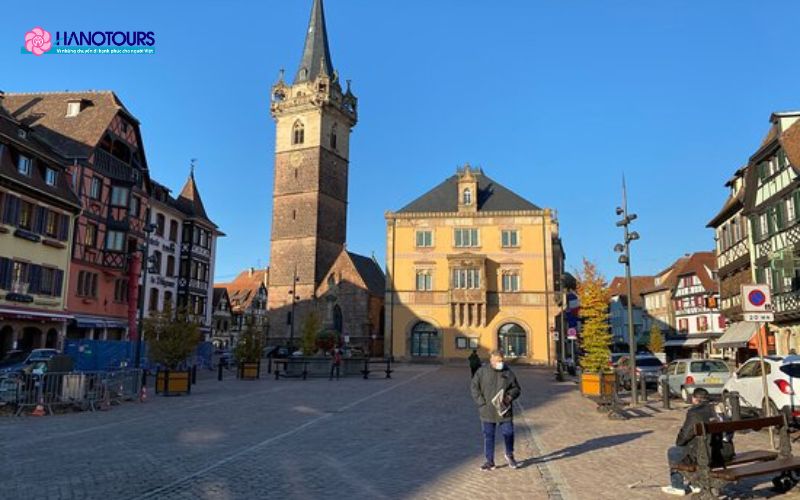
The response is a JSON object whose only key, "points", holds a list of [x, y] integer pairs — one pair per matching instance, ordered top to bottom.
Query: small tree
{"points": [[311, 327], [596, 337], [656, 339], [171, 340], [327, 340], [250, 345]]}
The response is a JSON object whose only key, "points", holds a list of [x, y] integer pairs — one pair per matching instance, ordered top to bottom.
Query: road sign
{"points": [[756, 299], [765, 317], [572, 333]]}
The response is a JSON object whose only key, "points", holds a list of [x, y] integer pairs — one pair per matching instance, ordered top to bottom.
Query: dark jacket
{"points": [[474, 361], [486, 383], [721, 448]]}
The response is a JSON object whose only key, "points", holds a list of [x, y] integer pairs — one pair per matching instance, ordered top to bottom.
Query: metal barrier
{"points": [[85, 390]]}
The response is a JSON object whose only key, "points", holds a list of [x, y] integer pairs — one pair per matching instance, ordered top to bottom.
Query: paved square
{"points": [[414, 436]]}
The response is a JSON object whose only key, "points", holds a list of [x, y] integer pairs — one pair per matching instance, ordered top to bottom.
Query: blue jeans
{"points": [[506, 429], [674, 456]]}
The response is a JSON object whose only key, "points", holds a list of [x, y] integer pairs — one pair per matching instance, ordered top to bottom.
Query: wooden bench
{"points": [[744, 465]]}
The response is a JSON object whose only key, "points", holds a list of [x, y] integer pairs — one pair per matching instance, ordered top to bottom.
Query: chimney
{"points": [[252, 270]]}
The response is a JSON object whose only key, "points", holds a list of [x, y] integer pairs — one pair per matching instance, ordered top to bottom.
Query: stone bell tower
{"points": [[313, 119]]}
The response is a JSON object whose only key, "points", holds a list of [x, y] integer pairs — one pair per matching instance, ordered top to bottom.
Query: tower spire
{"points": [[316, 54]]}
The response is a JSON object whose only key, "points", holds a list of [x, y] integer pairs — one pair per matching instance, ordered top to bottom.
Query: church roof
{"points": [[316, 54], [492, 197], [370, 272]]}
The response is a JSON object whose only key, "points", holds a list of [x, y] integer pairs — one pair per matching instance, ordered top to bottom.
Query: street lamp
{"points": [[625, 258], [147, 259], [295, 298]]}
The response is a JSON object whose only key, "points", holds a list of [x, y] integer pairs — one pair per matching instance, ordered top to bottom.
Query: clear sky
{"points": [[553, 99]]}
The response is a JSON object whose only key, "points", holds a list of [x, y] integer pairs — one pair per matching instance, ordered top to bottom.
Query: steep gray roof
{"points": [[316, 54], [492, 197], [370, 272]]}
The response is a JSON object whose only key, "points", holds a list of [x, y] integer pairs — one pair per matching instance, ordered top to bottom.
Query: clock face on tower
{"points": [[295, 159]]}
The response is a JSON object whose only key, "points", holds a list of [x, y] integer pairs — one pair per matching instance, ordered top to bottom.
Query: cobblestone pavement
{"points": [[414, 436]]}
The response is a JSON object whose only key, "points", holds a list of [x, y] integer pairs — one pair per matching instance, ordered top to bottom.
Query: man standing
{"points": [[336, 362], [474, 362], [494, 389], [685, 449]]}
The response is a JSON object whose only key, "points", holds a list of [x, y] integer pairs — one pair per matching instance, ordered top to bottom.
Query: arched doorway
{"points": [[338, 320], [31, 338], [6, 340], [513, 340], [51, 341], [424, 341]]}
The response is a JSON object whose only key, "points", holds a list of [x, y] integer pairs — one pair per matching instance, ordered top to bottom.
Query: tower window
{"points": [[298, 133], [333, 136], [295, 173], [467, 196], [294, 214]]}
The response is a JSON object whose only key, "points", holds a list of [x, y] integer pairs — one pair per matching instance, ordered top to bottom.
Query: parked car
{"points": [[276, 351], [353, 352], [41, 355], [615, 357], [226, 359], [13, 361], [648, 367], [685, 375], [783, 380]]}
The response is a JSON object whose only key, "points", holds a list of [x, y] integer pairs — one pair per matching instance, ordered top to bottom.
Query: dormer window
{"points": [[73, 108], [298, 133], [22, 134], [24, 165], [50, 176], [467, 197]]}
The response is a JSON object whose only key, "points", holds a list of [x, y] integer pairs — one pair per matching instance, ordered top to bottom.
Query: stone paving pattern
{"points": [[414, 436]]}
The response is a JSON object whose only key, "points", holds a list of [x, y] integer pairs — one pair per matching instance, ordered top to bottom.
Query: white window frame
{"points": [[73, 108], [24, 165], [50, 176], [120, 196], [422, 233], [509, 235], [459, 237], [115, 241], [424, 280], [510, 282]]}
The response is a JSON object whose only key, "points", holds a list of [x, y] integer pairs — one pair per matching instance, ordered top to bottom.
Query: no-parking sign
{"points": [[757, 303]]}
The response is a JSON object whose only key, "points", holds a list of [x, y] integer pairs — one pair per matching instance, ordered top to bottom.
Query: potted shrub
{"points": [[596, 337], [170, 343], [248, 353]]}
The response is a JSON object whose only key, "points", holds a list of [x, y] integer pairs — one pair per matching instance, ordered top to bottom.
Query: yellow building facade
{"points": [[472, 265]]}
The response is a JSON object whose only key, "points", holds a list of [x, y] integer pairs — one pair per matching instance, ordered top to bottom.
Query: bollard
{"points": [[269, 365], [388, 368], [305, 370], [277, 371], [365, 371], [219, 372], [194, 374], [643, 388], [665, 392], [735, 405]]}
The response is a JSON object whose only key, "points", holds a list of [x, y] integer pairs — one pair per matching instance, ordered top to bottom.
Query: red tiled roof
{"points": [[619, 287], [242, 290]]}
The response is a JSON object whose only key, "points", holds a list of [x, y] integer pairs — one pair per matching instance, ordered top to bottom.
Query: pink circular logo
{"points": [[37, 41]]}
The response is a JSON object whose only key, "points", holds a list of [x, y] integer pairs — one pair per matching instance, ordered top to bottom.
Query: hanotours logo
{"points": [[39, 41]]}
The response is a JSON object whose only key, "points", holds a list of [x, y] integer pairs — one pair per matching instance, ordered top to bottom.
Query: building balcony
{"points": [[115, 168]]}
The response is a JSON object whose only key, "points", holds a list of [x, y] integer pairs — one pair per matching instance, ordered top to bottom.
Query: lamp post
{"points": [[625, 259], [146, 261], [295, 298]]}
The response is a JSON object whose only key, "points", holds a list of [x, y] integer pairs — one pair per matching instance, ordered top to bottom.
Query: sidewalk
{"points": [[596, 457]]}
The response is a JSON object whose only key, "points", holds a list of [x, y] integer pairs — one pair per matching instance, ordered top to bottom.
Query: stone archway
{"points": [[30, 339], [51, 339], [6, 340]]}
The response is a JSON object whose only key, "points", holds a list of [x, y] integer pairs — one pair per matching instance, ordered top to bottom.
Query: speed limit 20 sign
{"points": [[757, 303]]}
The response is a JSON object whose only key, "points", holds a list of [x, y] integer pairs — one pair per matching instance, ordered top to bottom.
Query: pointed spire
{"points": [[316, 54], [189, 200]]}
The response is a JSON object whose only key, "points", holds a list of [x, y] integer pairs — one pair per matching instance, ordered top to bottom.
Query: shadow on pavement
{"points": [[587, 446]]}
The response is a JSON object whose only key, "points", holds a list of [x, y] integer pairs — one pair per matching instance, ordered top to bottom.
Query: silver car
{"points": [[686, 375]]}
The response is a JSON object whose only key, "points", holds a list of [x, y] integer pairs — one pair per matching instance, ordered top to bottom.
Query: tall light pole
{"points": [[625, 258], [146, 261], [295, 298]]}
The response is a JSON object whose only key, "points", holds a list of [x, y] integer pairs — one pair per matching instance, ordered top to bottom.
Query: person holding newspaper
{"points": [[494, 389]]}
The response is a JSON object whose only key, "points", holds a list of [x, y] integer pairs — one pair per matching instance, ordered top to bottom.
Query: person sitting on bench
{"points": [[685, 449]]}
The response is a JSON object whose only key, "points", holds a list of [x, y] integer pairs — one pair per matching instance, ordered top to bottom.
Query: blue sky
{"points": [[553, 99]]}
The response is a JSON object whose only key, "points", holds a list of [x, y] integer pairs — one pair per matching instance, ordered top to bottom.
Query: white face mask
{"points": [[498, 366]]}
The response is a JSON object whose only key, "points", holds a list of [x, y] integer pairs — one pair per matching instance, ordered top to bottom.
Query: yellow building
{"points": [[37, 211], [472, 265]]}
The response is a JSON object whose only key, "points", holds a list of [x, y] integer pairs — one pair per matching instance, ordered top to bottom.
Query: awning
{"points": [[23, 314], [82, 321], [738, 335], [687, 342]]}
